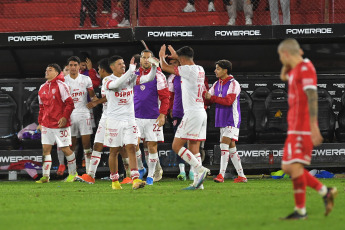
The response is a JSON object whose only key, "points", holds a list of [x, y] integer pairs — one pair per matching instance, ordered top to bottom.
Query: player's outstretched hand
{"points": [[162, 51], [173, 54], [132, 61], [154, 61], [88, 63], [62, 122]]}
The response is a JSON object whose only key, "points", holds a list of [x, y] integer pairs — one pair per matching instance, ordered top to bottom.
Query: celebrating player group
{"points": [[137, 101]]}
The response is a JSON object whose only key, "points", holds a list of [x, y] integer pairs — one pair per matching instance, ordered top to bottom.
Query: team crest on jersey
{"points": [[142, 87], [53, 91]]}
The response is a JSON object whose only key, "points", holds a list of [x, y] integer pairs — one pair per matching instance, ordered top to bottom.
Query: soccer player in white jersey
{"points": [[80, 85], [56, 106], [193, 124], [121, 128], [89, 177]]}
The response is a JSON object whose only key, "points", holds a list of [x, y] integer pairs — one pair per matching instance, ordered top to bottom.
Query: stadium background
{"points": [[37, 32]]}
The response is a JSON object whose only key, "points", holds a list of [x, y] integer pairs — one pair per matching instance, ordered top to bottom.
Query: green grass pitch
{"points": [[257, 204]]}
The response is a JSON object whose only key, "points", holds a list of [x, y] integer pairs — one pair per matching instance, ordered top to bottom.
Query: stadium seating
{"points": [[259, 109], [326, 115], [276, 117], [8, 122], [247, 128]]}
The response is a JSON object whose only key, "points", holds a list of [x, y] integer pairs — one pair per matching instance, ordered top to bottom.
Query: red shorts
{"points": [[297, 149]]}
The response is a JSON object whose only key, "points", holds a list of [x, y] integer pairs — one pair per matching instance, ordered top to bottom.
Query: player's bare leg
{"points": [[133, 164], [114, 167]]}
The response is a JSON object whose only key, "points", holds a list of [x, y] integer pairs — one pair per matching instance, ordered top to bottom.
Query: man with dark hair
{"points": [[80, 87], [226, 94], [56, 106], [150, 116], [193, 124], [303, 128], [121, 129], [89, 177]]}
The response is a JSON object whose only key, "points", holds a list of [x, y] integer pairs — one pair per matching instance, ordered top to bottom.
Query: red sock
{"points": [[312, 181], [299, 185]]}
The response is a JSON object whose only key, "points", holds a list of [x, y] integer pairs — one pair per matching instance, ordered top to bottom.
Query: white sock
{"points": [[87, 154], [61, 156], [189, 157], [224, 158], [139, 159], [152, 161], [236, 161], [94, 162], [47, 164], [181, 166], [72, 168], [134, 174], [196, 174], [114, 176], [323, 191], [301, 211]]}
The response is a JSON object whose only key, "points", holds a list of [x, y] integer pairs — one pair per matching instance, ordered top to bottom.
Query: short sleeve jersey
{"points": [[301, 78], [192, 86], [79, 91], [105, 104], [120, 104]]}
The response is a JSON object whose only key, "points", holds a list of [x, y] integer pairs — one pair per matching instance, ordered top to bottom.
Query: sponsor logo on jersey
{"points": [[310, 31], [236, 33], [170, 34], [103, 36], [38, 38], [142, 87], [79, 94], [123, 94]]}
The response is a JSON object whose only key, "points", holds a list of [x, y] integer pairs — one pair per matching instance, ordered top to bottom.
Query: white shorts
{"points": [[81, 124], [193, 126], [149, 130], [230, 132], [120, 133], [60, 136], [99, 137]]}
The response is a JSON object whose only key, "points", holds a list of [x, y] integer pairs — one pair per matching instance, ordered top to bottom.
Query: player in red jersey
{"points": [[303, 129]]}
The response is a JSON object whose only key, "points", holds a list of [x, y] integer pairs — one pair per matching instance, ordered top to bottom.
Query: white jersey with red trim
{"points": [[192, 86], [79, 91], [103, 93], [120, 104]]}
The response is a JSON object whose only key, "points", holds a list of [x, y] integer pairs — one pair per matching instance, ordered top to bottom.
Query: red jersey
{"points": [[302, 77], [55, 102]]}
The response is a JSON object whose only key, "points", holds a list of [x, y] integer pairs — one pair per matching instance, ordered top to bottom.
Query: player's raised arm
{"points": [[164, 65], [148, 77]]}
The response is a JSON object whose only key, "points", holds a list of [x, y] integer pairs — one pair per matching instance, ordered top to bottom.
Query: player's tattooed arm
{"points": [[312, 103], [313, 110]]}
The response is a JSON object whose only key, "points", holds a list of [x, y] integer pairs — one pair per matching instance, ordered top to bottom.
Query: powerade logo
{"points": [[310, 31], [237, 33], [170, 34], [96, 36], [39, 38], [13, 159]]}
